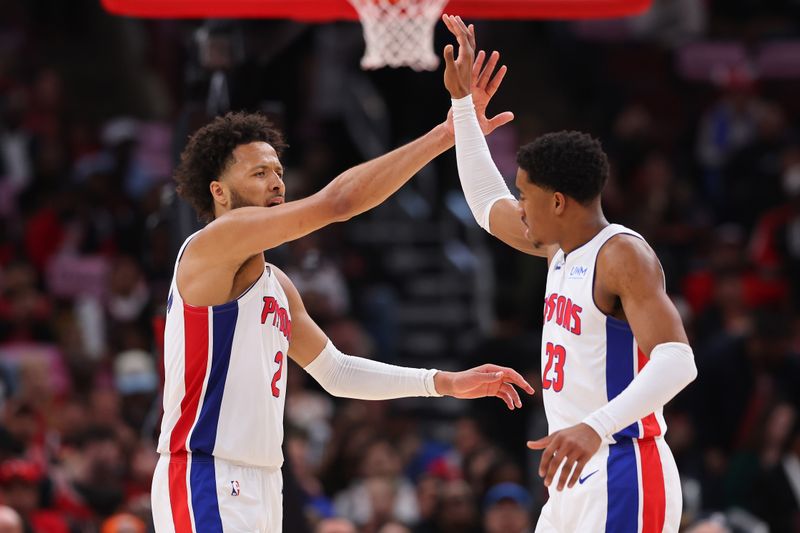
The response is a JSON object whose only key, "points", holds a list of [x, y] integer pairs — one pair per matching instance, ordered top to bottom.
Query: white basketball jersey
{"points": [[588, 357], [225, 375]]}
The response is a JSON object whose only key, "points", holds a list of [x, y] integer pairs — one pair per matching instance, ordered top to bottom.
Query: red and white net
{"points": [[399, 33]]}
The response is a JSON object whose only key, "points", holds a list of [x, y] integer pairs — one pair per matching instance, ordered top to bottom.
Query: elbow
{"points": [[340, 206], [329, 387]]}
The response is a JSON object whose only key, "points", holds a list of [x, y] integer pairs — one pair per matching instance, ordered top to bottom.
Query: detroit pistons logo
{"points": [[566, 313], [280, 316], [235, 488]]}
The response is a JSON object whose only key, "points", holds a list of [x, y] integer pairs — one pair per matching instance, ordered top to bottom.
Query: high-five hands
{"points": [[482, 81]]}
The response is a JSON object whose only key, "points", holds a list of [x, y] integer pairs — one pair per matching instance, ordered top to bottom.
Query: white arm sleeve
{"points": [[481, 181], [670, 369], [363, 379]]}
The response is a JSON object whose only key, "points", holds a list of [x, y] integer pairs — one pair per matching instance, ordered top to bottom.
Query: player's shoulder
{"points": [[628, 246], [627, 257]]}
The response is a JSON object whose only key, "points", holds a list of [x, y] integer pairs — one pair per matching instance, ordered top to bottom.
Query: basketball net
{"points": [[399, 33]]}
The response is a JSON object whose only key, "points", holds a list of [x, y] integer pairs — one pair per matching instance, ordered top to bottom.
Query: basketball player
{"points": [[232, 321], [614, 350]]}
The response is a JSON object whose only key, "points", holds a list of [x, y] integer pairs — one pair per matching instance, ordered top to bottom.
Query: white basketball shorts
{"points": [[628, 487], [202, 494]]}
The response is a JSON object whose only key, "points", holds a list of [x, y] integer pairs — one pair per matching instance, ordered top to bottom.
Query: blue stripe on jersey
{"points": [[620, 361], [204, 434], [623, 489], [205, 506]]}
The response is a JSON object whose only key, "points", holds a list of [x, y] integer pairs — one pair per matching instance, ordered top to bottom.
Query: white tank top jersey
{"points": [[588, 357], [225, 375]]}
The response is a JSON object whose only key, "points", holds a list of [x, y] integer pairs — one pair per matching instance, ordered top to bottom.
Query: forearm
{"points": [[481, 181], [367, 185], [670, 369], [363, 379]]}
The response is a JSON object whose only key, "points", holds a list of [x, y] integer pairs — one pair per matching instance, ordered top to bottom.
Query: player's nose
{"points": [[277, 184], [520, 210]]}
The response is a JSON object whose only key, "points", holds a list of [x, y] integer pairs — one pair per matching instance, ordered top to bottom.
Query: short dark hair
{"points": [[210, 151], [569, 162]]}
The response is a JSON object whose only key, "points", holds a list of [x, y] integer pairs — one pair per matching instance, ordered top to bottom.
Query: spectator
{"points": [[506, 509]]}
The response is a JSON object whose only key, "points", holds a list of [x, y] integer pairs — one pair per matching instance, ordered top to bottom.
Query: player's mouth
{"points": [[278, 200]]}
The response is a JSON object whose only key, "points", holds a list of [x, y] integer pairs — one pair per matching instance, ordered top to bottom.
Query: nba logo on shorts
{"points": [[234, 488]]}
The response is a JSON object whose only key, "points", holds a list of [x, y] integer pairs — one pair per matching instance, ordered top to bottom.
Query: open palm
{"points": [[485, 82]]}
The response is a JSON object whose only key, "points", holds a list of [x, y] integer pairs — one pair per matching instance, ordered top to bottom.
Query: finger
{"points": [[448, 23], [452, 25], [456, 26], [461, 27], [471, 34], [462, 44], [448, 55], [477, 66], [487, 71], [495, 82], [496, 122], [509, 374], [512, 392], [506, 398], [540, 444], [548, 456], [559, 456], [544, 462], [569, 464], [576, 474]]}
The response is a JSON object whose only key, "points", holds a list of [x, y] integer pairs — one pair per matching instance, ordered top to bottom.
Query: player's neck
{"points": [[582, 230]]}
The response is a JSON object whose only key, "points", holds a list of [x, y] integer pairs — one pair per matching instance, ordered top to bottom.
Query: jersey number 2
{"points": [[556, 357], [277, 376]]}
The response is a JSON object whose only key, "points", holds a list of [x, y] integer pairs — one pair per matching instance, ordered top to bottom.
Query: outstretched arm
{"points": [[469, 83], [351, 193], [247, 231], [357, 377]]}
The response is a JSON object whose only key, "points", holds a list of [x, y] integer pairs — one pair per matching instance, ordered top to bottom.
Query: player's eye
{"points": [[260, 173]]}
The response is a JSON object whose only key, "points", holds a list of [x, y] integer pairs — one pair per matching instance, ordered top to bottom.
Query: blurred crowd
{"points": [[92, 113]]}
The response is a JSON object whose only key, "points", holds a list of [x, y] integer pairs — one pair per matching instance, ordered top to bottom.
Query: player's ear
{"points": [[218, 192], [559, 203]]}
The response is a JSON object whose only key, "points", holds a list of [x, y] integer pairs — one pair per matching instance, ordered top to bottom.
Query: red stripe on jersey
{"points": [[195, 327], [650, 425], [653, 494], [178, 495]]}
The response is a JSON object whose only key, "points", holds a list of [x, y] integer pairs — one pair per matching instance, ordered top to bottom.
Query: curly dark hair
{"points": [[209, 153], [569, 162]]}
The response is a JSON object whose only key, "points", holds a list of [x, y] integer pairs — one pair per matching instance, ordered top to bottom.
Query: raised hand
{"points": [[458, 71], [484, 82], [483, 381], [572, 446]]}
